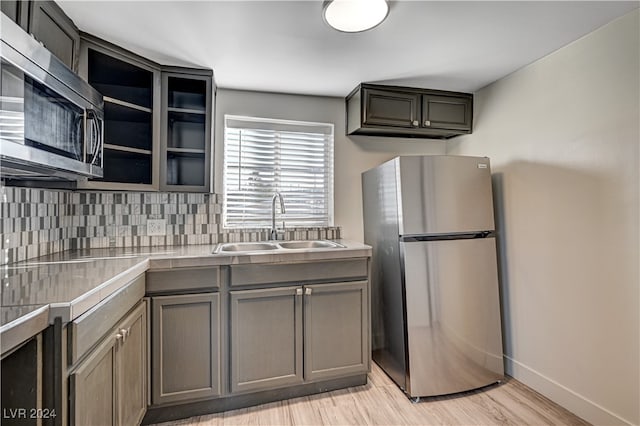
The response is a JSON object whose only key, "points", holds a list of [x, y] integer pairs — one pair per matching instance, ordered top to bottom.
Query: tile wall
{"points": [[36, 222]]}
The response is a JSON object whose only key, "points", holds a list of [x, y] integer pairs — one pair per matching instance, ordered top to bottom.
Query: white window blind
{"points": [[265, 156]]}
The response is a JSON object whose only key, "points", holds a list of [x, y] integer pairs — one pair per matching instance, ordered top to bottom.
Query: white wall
{"points": [[563, 136], [353, 155]]}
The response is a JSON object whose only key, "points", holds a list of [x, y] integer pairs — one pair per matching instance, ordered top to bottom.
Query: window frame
{"points": [[271, 124]]}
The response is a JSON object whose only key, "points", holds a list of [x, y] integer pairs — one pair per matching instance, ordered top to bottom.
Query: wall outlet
{"points": [[156, 227]]}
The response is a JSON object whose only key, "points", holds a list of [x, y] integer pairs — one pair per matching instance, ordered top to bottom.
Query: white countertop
{"points": [[69, 283]]}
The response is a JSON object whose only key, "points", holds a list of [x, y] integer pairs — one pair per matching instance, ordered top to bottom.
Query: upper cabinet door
{"points": [[17, 10], [49, 25], [387, 108], [447, 112]]}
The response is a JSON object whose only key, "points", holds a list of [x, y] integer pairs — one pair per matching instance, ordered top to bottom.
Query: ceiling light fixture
{"points": [[354, 16]]}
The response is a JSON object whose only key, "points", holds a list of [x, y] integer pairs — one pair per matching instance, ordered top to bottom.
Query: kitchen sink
{"points": [[309, 244], [273, 245], [246, 247]]}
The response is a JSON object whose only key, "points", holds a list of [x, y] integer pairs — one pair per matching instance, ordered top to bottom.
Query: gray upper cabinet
{"points": [[17, 10], [49, 25], [55, 30], [130, 86], [387, 108], [378, 110], [447, 112], [158, 120], [186, 130], [336, 319], [266, 338], [186, 347]]}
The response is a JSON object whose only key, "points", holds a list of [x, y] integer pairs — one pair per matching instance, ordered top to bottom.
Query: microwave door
{"points": [[11, 104], [50, 119], [51, 122]]}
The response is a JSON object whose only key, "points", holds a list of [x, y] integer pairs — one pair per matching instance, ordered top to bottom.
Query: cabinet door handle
{"points": [[415, 123], [427, 123], [307, 291], [298, 292], [125, 333], [118, 336]]}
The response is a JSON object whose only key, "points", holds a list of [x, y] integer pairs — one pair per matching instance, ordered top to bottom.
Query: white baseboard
{"points": [[561, 395]]}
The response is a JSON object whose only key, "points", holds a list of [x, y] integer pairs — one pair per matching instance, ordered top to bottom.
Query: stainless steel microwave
{"points": [[51, 121]]}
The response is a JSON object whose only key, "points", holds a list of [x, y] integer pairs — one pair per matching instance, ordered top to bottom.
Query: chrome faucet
{"points": [[274, 231]]}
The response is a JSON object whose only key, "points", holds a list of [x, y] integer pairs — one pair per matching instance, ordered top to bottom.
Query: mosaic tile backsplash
{"points": [[36, 222]]}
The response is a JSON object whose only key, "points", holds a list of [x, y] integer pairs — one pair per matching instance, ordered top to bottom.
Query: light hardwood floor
{"points": [[381, 402]]}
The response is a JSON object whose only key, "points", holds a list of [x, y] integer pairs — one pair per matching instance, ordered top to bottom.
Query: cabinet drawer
{"points": [[297, 272], [176, 280], [89, 328]]}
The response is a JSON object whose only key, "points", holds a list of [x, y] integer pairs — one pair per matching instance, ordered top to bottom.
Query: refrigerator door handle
{"points": [[444, 237]]}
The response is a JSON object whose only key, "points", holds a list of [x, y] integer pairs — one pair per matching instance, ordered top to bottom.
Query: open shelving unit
{"points": [[128, 109], [157, 124], [186, 139]]}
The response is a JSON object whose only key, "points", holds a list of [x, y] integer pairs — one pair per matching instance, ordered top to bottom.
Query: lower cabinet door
{"points": [[336, 330], [266, 338], [185, 341], [132, 368], [93, 387]]}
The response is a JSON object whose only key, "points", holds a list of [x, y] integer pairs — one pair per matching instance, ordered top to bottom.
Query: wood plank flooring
{"points": [[381, 402]]}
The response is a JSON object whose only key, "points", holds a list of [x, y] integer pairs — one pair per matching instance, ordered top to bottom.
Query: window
{"points": [[264, 156]]}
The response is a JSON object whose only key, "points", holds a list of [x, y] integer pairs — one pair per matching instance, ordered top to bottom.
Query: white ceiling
{"points": [[285, 46]]}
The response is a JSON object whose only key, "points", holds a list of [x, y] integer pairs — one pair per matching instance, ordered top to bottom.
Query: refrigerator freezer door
{"points": [[444, 194], [454, 336]]}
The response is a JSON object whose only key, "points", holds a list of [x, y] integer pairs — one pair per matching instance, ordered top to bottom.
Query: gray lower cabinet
{"points": [[336, 332], [290, 335], [266, 338], [186, 345], [131, 365], [21, 378], [109, 386], [93, 387]]}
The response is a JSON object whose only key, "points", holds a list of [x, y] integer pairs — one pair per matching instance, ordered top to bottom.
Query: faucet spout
{"points": [[274, 230]]}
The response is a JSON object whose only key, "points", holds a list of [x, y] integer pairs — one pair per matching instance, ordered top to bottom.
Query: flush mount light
{"points": [[354, 16]]}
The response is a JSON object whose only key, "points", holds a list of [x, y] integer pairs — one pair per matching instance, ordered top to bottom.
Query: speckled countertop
{"points": [[67, 284]]}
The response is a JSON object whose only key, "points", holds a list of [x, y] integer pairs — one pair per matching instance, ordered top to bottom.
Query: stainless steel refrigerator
{"points": [[436, 326]]}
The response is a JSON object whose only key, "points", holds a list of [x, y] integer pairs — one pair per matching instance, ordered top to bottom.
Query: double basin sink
{"points": [[276, 245]]}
